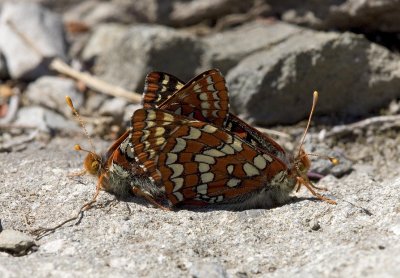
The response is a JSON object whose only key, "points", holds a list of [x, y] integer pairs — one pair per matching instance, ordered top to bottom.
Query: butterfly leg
{"points": [[310, 187], [148, 197]]}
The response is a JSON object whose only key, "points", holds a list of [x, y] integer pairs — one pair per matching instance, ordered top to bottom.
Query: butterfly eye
{"points": [[95, 166]]}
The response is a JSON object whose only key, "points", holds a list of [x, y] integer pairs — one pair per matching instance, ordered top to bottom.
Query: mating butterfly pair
{"points": [[185, 147]]}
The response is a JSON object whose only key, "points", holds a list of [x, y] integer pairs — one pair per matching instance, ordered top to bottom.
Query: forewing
{"points": [[159, 86], [204, 98], [254, 136], [196, 160]]}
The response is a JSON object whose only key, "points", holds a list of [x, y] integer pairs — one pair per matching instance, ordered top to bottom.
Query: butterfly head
{"points": [[92, 163], [302, 164]]}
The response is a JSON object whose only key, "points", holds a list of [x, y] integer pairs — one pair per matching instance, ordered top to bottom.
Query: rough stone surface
{"points": [[151, 11], [96, 12], [191, 12], [183, 13], [366, 15], [30, 36], [102, 39], [144, 48], [226, 49], [3, 68], [352, 75], [50, 92], [114, 107], [45, 120], [359, 237], [15, 242]]}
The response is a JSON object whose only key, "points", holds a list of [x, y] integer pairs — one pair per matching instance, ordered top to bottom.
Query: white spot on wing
{"points": [[165, 80], [197, 88], [203, 96], [205, 105], [151, 115], [168, 117], [209, 128], [194, 134], [237, 145], [179, 146], [227, 149], [214, 153], [267, 157], [171, 158], [204, 158], [260, 162], [203, 167], [177, 169], [250, 170], [207, 177], [178, 182], [233, 182], [202, 189], [178, 196]]}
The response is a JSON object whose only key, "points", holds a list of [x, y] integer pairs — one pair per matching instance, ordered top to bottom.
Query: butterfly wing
{"points": [[159, 86], [204, 98], [254, 137], [196, 160]]}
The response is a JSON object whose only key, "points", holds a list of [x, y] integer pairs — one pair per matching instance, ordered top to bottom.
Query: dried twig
{"points": [[93, 82], [350, 128]]}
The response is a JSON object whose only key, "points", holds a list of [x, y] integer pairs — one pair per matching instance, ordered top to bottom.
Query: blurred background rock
{"points": [[274, 54]]}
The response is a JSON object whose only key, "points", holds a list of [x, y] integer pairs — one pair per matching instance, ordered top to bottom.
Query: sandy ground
{"points": [[359, 237]]}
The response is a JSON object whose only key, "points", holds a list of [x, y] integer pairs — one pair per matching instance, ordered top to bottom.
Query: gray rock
{"points": [[151, 11], [191, 12], [93, 13], [183, 13], [367, 15], [29, 37], [102, 39], [145, 48], [226, 49], [3, 68], [352, 75], [50, 92], [93, 102], [114, 107], [45, 120], [324, 166], [15, 242]]}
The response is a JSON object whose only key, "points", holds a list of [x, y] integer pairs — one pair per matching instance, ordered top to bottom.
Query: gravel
{"points": [[359, 237]]}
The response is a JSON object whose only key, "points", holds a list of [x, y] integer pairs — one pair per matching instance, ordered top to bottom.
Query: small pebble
{"points": [[15, 242]]}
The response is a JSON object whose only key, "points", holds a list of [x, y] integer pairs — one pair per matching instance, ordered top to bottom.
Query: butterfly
{"points": [[168, 92], [206, 155], [198, 163]]}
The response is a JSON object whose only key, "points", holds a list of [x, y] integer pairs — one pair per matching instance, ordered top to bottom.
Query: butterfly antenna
{"points": [[315, 98], [77, 147], [332, 159]]}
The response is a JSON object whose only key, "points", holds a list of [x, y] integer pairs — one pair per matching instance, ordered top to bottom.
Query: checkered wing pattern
{"points": [[160, 86], [204, 98], [196, 161]]}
